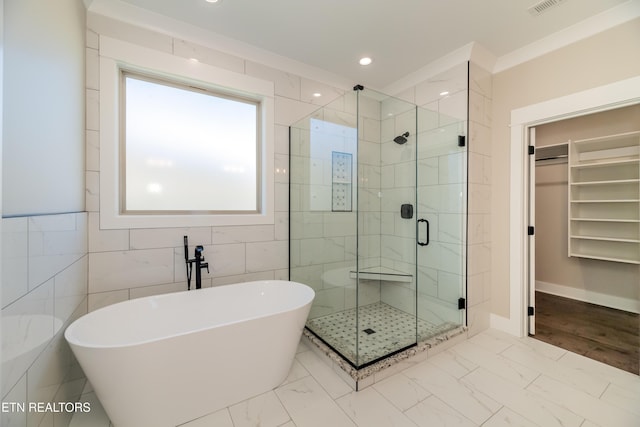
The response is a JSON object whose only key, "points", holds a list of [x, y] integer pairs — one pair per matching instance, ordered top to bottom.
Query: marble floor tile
{"points": [[495, 343], [539, 347], [542, 348], [456, 365], [599, 370], [297, 371], [323, 373], [518, 374], [569, 374], [401, 391], [624, 398], [528, 404], [583, 404], [477, 405], [310, 406], [367, 408], [264, 410], [433, 412], [505, 417], [94, 418], [220, 418]]}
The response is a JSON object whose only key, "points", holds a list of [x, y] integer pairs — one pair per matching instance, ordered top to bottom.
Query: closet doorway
{"points": [[585, 205]]}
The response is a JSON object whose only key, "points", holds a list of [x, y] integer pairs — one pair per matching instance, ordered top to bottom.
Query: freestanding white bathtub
{"points": [[168, 359]]}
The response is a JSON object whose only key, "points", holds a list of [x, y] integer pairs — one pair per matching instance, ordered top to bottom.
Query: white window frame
{"points": [[116, 55]]}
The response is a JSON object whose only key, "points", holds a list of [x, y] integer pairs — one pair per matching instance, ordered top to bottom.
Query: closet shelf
{"points": [[609, 163], [615, 181], [604, 182], [607, 201], [606, 220], [607, 239], [605, 258]]}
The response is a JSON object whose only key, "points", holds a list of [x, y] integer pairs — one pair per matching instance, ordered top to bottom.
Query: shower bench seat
{"points": [[382, 273]]}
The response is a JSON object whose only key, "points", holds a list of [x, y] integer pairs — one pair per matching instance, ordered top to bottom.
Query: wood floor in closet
{"points": [[608, 335]]}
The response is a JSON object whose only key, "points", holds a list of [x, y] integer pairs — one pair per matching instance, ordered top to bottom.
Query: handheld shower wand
{"points": [[186, 260], [198, 260]]}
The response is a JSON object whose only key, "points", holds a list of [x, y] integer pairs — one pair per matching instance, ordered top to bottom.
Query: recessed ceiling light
{"points": [[213, 1], [365, 61], [445, 93], [317, 94]]}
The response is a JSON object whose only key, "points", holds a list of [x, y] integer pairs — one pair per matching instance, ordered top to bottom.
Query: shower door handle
{"points": [[418, 232]]}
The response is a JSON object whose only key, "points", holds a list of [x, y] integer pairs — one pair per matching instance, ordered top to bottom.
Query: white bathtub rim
{"points": [[75, 341]]}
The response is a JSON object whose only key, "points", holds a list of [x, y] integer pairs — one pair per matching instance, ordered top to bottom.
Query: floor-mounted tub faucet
{"points": [[198, 260]]}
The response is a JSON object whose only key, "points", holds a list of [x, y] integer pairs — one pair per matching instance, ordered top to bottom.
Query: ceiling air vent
{"points": [[543, 6]]}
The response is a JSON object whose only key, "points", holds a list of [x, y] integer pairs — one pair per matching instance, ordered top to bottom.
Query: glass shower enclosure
{"points": [[377, 202]]}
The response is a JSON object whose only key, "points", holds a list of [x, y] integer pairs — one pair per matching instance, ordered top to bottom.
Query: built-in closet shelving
{"points": [[604, 198]]}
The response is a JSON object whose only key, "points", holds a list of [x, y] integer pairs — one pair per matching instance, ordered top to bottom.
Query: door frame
{"points": [[602, 98], [531, 237]]}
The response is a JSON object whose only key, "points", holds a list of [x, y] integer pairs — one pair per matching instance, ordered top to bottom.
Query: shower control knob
{"points": [[406, 211]]}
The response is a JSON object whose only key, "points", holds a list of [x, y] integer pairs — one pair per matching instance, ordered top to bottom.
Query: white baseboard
{"points": [[625, 304], [504, 324]]}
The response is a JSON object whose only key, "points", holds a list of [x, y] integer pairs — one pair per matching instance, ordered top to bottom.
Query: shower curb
{"points": [[364, 377]]}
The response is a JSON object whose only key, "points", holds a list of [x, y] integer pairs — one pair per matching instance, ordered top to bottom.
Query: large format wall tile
{"points": [[55, 242], [15, 258], [109, 271]]}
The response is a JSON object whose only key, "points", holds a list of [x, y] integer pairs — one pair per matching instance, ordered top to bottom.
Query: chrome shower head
{"points": [[401, 139]]}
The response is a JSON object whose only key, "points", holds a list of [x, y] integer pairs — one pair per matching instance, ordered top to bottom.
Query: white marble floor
{"points": [[491, 380]]}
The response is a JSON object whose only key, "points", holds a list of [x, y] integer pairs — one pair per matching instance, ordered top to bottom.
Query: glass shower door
{"points": [[323, 219], [441, 223], [386, 261]]}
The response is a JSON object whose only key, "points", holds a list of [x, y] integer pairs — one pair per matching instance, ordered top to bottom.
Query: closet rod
{"points": [[561, 156], [560, 160]]}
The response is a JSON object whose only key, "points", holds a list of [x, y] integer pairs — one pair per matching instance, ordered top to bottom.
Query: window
{"points": [[182, 144], [187, 149]]}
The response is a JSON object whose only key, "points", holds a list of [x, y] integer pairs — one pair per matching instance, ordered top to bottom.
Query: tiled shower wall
{"points": [[454, 106], [397, 170], [386, 179], [441, 201], [479, 222], [323, 243], [131, 263], [44, 289]]}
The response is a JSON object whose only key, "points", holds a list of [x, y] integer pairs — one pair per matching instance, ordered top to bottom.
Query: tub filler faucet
{"points": [[198, 260]]}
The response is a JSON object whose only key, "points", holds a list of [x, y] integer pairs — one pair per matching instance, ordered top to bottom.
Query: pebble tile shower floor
{"points": [[382, 329]]}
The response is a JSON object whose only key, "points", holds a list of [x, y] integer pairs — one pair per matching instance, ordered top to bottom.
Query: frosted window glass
{"points": [[188, 150]]}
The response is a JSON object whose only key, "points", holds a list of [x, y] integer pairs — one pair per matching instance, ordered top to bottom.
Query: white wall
{"points": [[586, 64], [43, 146], [44, 257]]}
